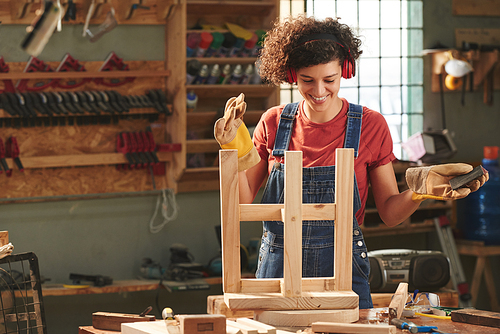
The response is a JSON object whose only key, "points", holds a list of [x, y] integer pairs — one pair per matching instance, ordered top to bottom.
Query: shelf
{"points": [[247, 8], [231, 60], [83, 75], [207, 91], [208, 118], [202, 146], [79, 160]]}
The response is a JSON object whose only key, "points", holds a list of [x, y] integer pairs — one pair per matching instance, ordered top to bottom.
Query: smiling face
{"points": [[319, 86]]}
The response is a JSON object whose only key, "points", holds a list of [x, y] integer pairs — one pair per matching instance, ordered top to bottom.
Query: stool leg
{"points": [[476, 279], [490, 285]]}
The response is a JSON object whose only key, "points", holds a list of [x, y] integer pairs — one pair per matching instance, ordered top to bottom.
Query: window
{"points": [[389, 75]]}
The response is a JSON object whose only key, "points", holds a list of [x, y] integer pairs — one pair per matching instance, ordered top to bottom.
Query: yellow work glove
{"points": [[231, 133], [433, 182]]}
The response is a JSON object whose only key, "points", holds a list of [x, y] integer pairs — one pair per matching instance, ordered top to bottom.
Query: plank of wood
{"points": [[344, 180], [256, 212], [230, 224], [292, 229], [329, 300], [398, 301], [216, 305], [477, 317], [305, 318], [113, 321], [202, 323], [154, 327], [261, 327], [332, 327], [244, 329], [92, 330]]}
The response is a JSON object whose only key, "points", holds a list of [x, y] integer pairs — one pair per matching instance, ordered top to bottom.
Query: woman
{"points": [[316, 55]]}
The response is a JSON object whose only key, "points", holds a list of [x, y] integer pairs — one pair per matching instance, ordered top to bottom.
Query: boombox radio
{"points": [[421, 269]]}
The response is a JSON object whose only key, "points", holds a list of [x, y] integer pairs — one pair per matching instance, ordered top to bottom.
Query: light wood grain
{"points": [[344, 180], [230, 224], [292, 229], [308, 301], [305, 318], [330, 327]]}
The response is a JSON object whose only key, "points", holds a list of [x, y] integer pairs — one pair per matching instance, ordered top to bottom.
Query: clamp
{"points": [[68, 63], [111, 63], [35, 65], [8, 85], [12, 151], [3, 162]]}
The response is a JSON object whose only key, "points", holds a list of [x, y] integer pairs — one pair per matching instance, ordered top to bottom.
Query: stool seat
{"points": [[483, 265]]}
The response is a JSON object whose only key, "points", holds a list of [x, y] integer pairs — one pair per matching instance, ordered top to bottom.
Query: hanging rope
{"points": [[167, 200]]}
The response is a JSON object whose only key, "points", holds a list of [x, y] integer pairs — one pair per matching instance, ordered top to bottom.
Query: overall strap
{"points": [[353, 131], [284, 132]]}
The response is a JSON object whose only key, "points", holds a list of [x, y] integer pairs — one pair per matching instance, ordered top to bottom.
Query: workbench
{"points": [[373, 316]]}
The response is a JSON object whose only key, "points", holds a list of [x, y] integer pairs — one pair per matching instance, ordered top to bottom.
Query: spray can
{"points": [[261, 34], [218, 38], [193, 39], [205, 41], [227, 44], [247, 49], [235, 50], [193, 67], [225, 74], [214, 75], [202, 76], [236, 76], [247, 76], [256, 79], [192, 100]]}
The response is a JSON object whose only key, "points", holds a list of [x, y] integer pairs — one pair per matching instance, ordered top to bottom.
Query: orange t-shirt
{"points": [[318, 142]]}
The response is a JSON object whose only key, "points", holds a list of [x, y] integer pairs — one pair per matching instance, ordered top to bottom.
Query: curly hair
{"points": [[280, 51]]}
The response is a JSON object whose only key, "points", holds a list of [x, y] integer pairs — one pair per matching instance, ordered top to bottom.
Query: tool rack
{"points": [[74, 154]]}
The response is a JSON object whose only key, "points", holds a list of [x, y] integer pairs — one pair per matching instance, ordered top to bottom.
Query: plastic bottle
{"points": [[261, 34], [218, 38], [193, 39], [206, 40], [229, 40], [247, 49], [235, 50], [193, 67], [225, 74], [214, 75], [202, 76], [236, 76], [247, 76], [192, 101], [478, 214]]}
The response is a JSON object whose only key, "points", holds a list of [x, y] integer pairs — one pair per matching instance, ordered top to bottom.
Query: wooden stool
{"points": [[482, 252], [291, 298]]}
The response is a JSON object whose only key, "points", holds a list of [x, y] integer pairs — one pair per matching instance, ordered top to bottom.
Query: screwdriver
{"points": [[412, 328]]}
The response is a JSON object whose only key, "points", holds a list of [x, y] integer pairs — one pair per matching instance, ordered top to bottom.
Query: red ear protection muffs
{"points": [[348, 67]]}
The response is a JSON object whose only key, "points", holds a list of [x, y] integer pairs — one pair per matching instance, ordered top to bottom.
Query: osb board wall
{"points": [[82, 139]]}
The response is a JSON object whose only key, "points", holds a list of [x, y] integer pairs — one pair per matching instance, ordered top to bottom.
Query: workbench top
{"points": [[379, 315]]}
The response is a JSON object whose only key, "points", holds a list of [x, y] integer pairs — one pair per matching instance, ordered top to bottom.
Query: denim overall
{"points": [[317, 236]]}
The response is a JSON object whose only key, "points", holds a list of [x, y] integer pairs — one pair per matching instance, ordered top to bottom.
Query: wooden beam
{"points": [[79, 160], [344, 194], [256, 212], [230, 224], [292, 229], [332, 327]]}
